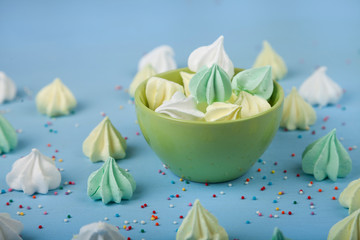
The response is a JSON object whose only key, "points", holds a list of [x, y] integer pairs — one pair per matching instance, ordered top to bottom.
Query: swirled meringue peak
{"points": [[209, 55], [269, 57], [160, 58], [144, 73], [186, 77], [256, 81], [210, 85], [7, 88], [320, 89], [158, 90], [55, 99], [251, 104], [180, 107], [220, 111], [297, 113], [8, 137], [104, 141], [326, 157], [34, 173], [110, 183], [350, 197], [200, 224], [10, 228], [346, 229], [99, 231], [278, 235]]}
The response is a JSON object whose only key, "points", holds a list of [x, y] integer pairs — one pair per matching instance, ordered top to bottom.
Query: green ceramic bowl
{"points": [[208, 151]]}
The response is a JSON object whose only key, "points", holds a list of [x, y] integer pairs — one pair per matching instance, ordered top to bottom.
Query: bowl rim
{"points": [[141, 105]]}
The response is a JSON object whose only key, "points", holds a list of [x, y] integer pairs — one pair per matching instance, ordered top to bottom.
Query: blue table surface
{"points": [[94, 46]]}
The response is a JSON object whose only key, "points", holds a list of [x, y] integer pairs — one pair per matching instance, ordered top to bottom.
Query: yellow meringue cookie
{"points": [[269, 57], [142, 75], [186, 77], [158, 90], [55, 99], [251, 104], [220, 111], [297, 113]]}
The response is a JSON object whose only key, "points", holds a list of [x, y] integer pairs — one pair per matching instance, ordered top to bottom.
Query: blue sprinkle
{"points": [[343, 108], [46, 125], [50, 130], [55, 131], [299, 136], [260, 160], [264, 177], [172, 182], [270, 183], [3, 191], [172, 196], [253, 198], [275, 201], [117, 215], [247, 222]]}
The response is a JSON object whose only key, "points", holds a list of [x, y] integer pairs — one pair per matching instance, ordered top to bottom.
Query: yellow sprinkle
{"points": [[121, 107], [60, 160], [272, 171], [181, 179], [184, 189], [280, 193], [277, 209], [21, 214], [152, 218], [124, 227]]}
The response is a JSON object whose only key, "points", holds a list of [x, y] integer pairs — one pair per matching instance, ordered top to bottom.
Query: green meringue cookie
{"points": [[256, 81], [210, 85], [8, 137], [326, 157], [110, 183], [350, 197], [346, 229], [278, 235]]}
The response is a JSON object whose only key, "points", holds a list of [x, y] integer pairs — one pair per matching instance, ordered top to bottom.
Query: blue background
{"points": [[94, 46]]}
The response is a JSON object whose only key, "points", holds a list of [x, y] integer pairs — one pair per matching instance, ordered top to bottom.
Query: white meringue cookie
{"points": [[208, 55], [160, 58], [186, 77], [7, 88], [320, 89], [158, 90], [251, 104], [180, 107], [220, 111], [34, 173], [10, 228], [99, 231]]}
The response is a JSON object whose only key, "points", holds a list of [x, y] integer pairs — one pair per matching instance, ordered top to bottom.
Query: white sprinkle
{"points": [[77, 125], [19, 130], [341, 139], [354, 147], [264, 162], [61, 169], [126, 170], [251, 177], [285, 177], [66, 183], [246, 183], [230, 184], [310, 185], [69, 191], [301, 192], [222, 193], [278, 197], [171, 205], [40, 206], [312, 206], [257, 212], [17, 213], [276, 216], [106, 218], [66, 220], [134, 221], [126, 222], [142, 222], [175, 222]]}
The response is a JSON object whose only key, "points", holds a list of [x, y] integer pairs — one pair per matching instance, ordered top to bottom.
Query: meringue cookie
{"points": [[210, 55], [269, 57], [160, 58], [144, 73], [186, 77], [256, 81], [210, 85], [7, 88], [320, 89], [158, 90], [55, 99], [251, 104], [180, 107], [220, 111], [297, 113], [8, 137], [104, 141], [326, 157], [34, 173], [110, 183], [350, 197], [200, 224], [10, 229], [346, 229], [99, 231], [278, 235]]}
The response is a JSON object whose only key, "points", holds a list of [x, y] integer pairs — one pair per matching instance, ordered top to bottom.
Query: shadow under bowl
{"points": [[208, 151]]}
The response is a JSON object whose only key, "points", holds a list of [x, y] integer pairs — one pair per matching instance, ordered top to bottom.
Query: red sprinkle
{"points": [[326, 118], [323, 127], [313, 132], [126, 138], [49, 145], [350, 148], [293, 154], [259, 170], [285, 171], [298, 175], [206, 184], [263, 188], [336, 188], [320, 190], [177, 195], [214, 195], [242, 197], [309, 197], [333, 198], [7, 204], [145, 205], [20, 206], [142, 206], [154, 212], [290, 213], [181, 217], [157, 224], [40, 226]]}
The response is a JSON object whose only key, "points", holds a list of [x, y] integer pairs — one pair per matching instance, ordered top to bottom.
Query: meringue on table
{"points": [[209, 55], [161, 59], [7, 88], [55, 99], [8, 136], [34, 173], [350, 197], [10, 228], [346, 229], [99, 231]]}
